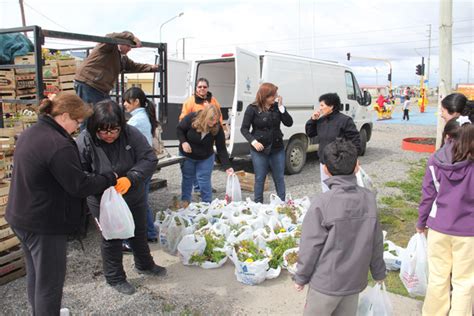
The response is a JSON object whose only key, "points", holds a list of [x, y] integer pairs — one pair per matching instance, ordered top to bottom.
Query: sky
{"points": [[397, 31]]}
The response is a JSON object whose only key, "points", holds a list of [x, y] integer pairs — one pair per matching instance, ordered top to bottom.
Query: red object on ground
{"points": [[419, 144]]}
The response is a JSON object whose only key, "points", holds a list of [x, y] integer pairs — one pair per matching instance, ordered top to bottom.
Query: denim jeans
{"points": [[88, 95], [261, 162], [201, 170], [151, 231]]}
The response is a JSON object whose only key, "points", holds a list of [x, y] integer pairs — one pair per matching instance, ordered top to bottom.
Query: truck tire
{"points": [[363, 141], [295, 156]]}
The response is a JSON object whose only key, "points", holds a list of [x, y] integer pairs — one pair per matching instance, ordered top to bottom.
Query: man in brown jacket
{"points": [[97, 74]]}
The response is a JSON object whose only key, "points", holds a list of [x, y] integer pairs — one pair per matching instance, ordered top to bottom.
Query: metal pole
{"points": [[23, 19], [167, 21], [314, 26], [298, 29], [429, 57], [445, 59], [468, 68], [376, 76]]}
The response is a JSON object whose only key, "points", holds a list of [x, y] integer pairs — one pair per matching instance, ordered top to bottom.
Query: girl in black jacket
{"points": [[197, 134], [266, 138], [109, 144], [47, 197]]}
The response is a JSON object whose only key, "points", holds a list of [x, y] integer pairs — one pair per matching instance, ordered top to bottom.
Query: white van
{"points": [[234, 81]]}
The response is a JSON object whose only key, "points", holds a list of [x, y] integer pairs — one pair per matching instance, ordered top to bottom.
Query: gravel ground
{"points": [[191, 290]]}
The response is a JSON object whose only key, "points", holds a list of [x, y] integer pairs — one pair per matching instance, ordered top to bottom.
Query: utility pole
{"points": [[22, 10], [298, 29], [429, 56], [445, 59]]}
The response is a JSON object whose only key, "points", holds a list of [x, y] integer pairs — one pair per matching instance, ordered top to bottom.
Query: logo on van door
{"points": [[248, 86]]}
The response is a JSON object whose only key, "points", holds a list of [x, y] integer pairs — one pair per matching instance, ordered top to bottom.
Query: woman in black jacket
{"points": [[328, 124], [197, 134], [266, 138], [109, 144], [47, 197]]}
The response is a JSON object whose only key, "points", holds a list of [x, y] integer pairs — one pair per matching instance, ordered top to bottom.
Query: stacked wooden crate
{"points": [[58, 75], [19, 83], [12, 262]]}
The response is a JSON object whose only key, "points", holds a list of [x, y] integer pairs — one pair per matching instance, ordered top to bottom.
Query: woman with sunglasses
{"points": [[200, 99], [197, 134], [109, 144], [47, 195]]}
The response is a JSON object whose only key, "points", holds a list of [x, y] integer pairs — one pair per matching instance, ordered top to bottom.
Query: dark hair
{"points": [[202, 79], [265, 90], [135, 93], [407, 97], [331, 99], [65, 103], [458, 103], [107, 114], [463, 148], [340, 157]]}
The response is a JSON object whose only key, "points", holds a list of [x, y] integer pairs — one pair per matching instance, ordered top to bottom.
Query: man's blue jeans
{"points": [[88, 95], [261, 162], [201, 170], [151, 231]]}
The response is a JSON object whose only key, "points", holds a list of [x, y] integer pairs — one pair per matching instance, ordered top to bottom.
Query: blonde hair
{"points": [[66, 103], [202, 119]]}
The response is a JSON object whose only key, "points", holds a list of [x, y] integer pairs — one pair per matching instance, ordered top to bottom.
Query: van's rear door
{"points": [[247, 81], [179, 89]]}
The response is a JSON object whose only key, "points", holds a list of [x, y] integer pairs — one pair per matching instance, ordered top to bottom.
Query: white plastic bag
{"points": [[364, 180], [232, 189], [115, 220], [190, 245], [392, 256], [292, 268], [414, 268], [250, 273], [375, 302]]}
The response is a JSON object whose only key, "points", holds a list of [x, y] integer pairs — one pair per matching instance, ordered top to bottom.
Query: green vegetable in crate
{"points": [[278, 247], [210, 254]]}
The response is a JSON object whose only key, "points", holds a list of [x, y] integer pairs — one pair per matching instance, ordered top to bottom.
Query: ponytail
{"points": [[46, 106], [151, 112], [463, 148]]}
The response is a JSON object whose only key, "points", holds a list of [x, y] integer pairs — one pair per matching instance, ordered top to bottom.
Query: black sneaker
{"points": [[153, 240], [126, 247], [155, 271], [124, 287]]}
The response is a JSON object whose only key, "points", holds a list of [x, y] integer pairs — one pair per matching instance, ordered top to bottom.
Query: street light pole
{"points": [[167, 21], [184, 39], [468, 68], [376, 76]]}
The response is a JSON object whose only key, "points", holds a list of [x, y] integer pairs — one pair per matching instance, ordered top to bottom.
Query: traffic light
{"points": [[348, 56], [423, 69], [419, 70], [389, 77]]}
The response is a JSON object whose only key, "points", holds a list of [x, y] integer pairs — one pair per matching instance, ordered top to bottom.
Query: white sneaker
{"points": [[64, 311]]}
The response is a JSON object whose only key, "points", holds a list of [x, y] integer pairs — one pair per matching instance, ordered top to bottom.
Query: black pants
{"points": [[405, 114], [112, 255], [45, 270]]}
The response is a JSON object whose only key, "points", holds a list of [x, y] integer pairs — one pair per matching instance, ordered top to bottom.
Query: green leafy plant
{"points": [[278, 247], [210, 254]]}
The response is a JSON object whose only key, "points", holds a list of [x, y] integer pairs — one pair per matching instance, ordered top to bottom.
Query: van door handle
{"points": [[240, 106], [347, 106]]}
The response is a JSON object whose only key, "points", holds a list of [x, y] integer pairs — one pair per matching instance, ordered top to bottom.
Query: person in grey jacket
{"points": [[109, 144], [341, 238]]}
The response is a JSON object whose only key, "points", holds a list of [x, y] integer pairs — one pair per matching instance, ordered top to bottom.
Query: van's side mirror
{"points": [[367, 98]]}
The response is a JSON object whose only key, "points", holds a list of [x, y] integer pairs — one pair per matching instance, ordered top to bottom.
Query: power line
{"points": [[29, 6]]}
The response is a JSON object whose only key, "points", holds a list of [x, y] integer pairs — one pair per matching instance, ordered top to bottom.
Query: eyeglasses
{"points": [[202, 87], [78, 122], [112, 131]]}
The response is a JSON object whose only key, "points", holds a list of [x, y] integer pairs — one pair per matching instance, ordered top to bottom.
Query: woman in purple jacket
{"points": [[447, 209]]}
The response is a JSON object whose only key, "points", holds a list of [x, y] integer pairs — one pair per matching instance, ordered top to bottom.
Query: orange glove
{"points": [[123, 184]]}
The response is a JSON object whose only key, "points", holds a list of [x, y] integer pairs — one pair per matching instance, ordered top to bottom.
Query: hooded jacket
{"points": [[101, 68], [195, 104], [455, 199], [341, 239]]}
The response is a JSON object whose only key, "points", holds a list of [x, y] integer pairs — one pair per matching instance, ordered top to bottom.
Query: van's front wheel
{"points": [[295, 156]]}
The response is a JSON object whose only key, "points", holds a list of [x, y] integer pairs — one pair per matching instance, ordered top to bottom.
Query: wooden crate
{"points": [[28, 59], [65, 66], [50, 71], [7, 79], [25, 81], [7, 94], [247, 181], [12, 264]]}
